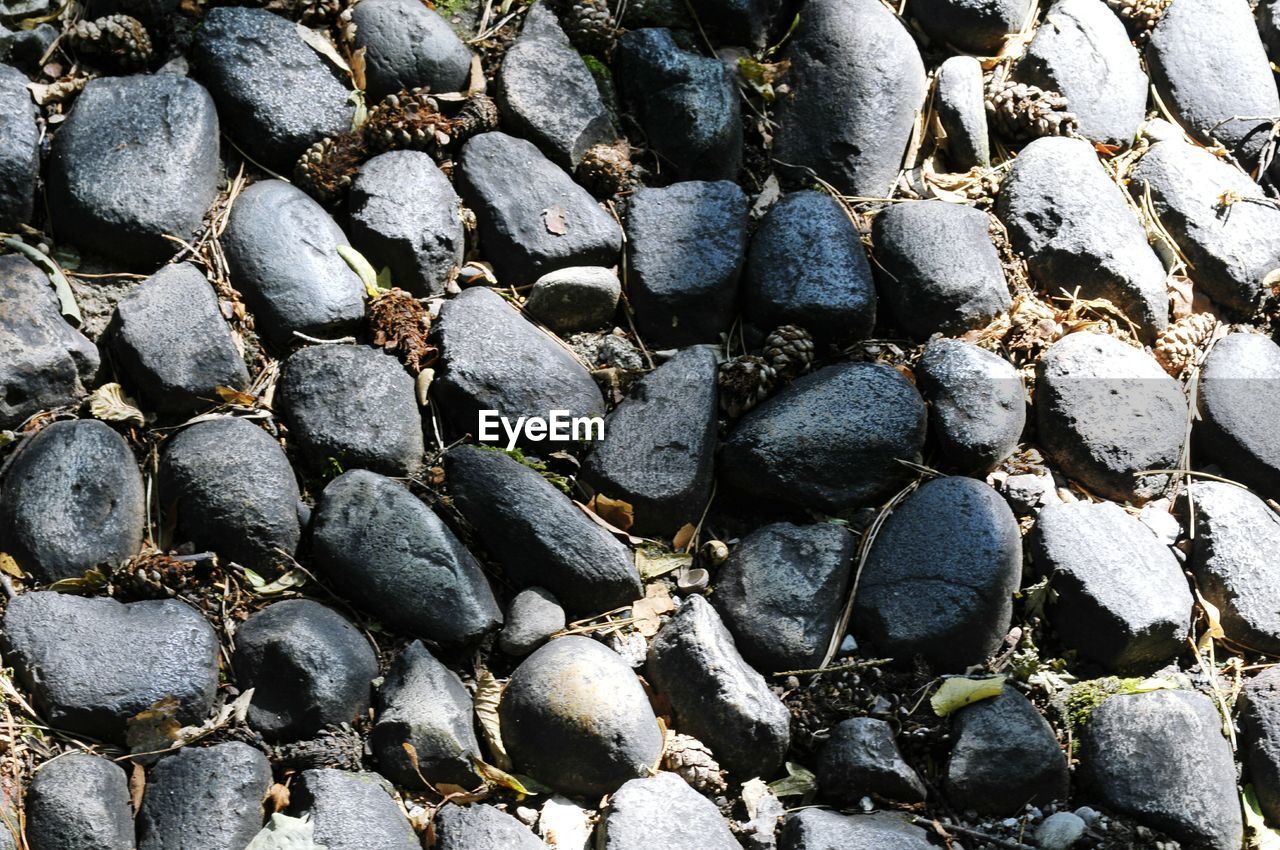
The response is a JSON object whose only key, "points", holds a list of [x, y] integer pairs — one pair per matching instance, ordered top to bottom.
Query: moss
{"points": [[559, 481], [1082, 698]]}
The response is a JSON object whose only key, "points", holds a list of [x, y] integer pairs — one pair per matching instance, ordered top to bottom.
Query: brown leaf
{"points": [[358, 69], [553, 218], [234, 396], [616, 512], [684, 536], [9, 566], [647, 612], [155, 728], [137, 784], [277, 797]]}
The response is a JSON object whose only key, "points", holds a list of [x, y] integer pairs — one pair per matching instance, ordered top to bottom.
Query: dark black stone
{"points": [[973, 26], [408, 45], [25, 49], [960, 104], [19, 149], [1239, 400], [977, 405], [533, 616], [1259, 713], [861, 758], [204, 798], [79, 801], [353, 811], [663, 811], [482, 827], [821, 829]]}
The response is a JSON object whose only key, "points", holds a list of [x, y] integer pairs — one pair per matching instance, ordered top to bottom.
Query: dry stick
{"points": [[1003, 843]]}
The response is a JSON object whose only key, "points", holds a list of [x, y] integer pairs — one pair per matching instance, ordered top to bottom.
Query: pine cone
{"points": [[310, 13], [1141, 16], [589, 25], [119, 39], [1021, 111], [415, 120], [325, 170], [605, 170], [400, 325], [1180, 345], [789, 350], [745, 382], [153, 575], [339, 747], [693, 762]]}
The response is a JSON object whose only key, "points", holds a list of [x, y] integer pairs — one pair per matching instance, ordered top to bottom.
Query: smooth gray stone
{"points": [[407, 45], [960, 104], [19, 149], [579, 298], [1238, 400], [977, 404], [532, 618], [1259, 719], [861, 758], [204, 798], [79, 802], [353, 811], [663, 811], [481, 827], [820, 829]]}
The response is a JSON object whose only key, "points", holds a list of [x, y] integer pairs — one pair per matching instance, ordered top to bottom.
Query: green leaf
{"points": [[363, 269], [62, 286], [652, 562], [958, 691], [799, 782]]}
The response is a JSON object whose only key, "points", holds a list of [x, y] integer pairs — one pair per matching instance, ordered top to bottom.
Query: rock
{"points": [[972, 26], [1079, 44], [408, 45], [25, 49], [1211, 71], [547, 94], [275, 95], [959, 100], [686, 104], [157, 135], [855, 141], [19, 149], [405, 215], [532, 217], [690, 225], [1073, 225], [282, 249], [1231, 251], [807, 267], [940, 271], [582, 298], [492, 358], [44, 361], [1237, 401], [977, 404], [354, 406], [1105, 411], [831, 440], [659, 444], [233, 492], [1029, 493], [72, 500], [538, 535], [1234, 540], [384, 549], [940, 576], [782, 590], [1122, 600], [534, 616], [92, 664], [309, 668], [716, 696], [424, 704], [574, 716], [1259, 719], [1004, 756], [861, 758], [1160, 758], [204, 798], [79, 801], [353, 811], [663, 811], [481, 827], [820, 829], [1060, 831]]}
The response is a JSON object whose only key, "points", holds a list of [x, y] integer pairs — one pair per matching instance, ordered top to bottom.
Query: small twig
{"points": [[345, 340], [857, 664], [968, 832]]}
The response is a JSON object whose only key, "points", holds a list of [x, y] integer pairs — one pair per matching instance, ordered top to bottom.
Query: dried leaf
{"points": [[320, 43], [358, 65], [553, 219], [363, 269], [66, 298], [234, 396], [108, 402], [616, 512], [603, 523], [684, 536], [651, 562], [9, 566], [291, 579], [91, 582], [647, 612], [1214, 618], [958, 691], [488, 695], [155, 728], [500, 777], [799, 782], [137, 786], [753, 793], [277, 797], [565, 825], [286, 833], [1258, 836]]}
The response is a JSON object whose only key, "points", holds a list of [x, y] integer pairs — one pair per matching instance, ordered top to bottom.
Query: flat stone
{"points": [[408, 45], [959, 100], [157, 135], [855, 141], [19, 149], [690, 225], [282, 249], [807, 267], [580, 298], [1238, 400], [977, 404], [72, 500], [384, 549], [532, 618], [92, 664], [309, 668], [716, 696], [1259, 719], [861, 758], [204, 798], [79, 801], [353, 811], [663, 811], [481, 827], [821, 829], [1060, 831]]}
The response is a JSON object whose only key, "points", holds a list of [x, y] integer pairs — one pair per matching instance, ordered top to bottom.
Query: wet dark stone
{"points": [[408, 45], [19, 149], [861, 758], [204, 798], [79, 801]]}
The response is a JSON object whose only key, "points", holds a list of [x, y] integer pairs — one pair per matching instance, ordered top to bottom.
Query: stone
{"points": [[736, 22], [972, 26], [408, 45], [1078, 45], [25, 49], [1211, 71], [546, 93], [276, 96], [960, 103], [686, 104], [157, 135], [856, 140], [19, 149], [405, 216], [532, 218], [689, 225], [1075, 228], [282, 250], [807, 267], [941, 273], [581, 298], [492, 358], [44, 361], [1237, 399], [977, 404], [352, 405], [1106, 411], [831, 440], [659, 444], [232, 491], [1031, 492], [71, 501], [538, 535], [385, 550], [939, 579], [782, 591], [1122, 600], [532, 618], [92, 664], [309, 668], [716, 696], [424, 704], [575, 717], [1259, 720], [1004, 756], [861, 758], [1160, 758], [204, 798], [79, 801], [353, 811], [663, 811], [481, 827], [821, 829], [1060, 831]]}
